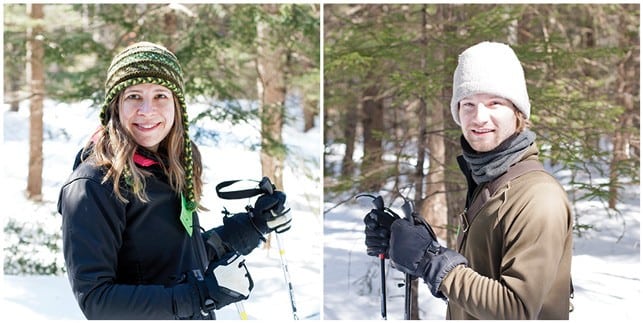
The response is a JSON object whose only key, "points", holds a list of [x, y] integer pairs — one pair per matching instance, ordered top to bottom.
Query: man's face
{"points": [[486, 120]]}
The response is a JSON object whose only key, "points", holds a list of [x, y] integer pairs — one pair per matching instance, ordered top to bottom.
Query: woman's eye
{"points": [[161, 96], [132, 97]]}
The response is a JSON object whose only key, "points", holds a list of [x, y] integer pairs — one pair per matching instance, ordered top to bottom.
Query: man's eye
{"points": [[161, 96], [132, 97], [467, 104]]}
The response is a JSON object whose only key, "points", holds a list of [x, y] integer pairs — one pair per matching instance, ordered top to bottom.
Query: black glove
{"points": [[269, 213], [378, 232], [239, 233], [415, 250], [226, 281]]}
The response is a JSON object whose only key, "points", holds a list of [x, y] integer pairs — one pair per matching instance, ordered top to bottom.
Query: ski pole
{"points": [[265, 187], [378, 203], [284, 267], [383, 283], [407, 296], [242, 311]]}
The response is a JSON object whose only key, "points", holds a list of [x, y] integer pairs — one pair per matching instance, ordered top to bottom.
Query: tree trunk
{"points": [[170, 28], [35, 73], [13, 76], [271, 86], [627, 86], [271, 89], [14, 94], [310, 112], [373, 127], [422, 127], [350, 130], [455, 183], [418, 184], [420, 202], [434, 206]]}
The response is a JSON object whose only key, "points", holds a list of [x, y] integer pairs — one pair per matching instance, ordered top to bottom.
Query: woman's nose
{"points": [[146, 107]]}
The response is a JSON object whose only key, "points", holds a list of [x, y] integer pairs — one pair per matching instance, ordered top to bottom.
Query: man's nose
{"points": [[481, 113]]}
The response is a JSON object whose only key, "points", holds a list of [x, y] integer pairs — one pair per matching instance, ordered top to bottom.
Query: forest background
{"points": [[388, 70]]}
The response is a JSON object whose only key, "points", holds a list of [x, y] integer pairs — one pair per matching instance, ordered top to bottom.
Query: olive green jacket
{"points": [[519, 248]]}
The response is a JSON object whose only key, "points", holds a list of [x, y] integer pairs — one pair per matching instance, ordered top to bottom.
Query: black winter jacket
{"points": [[127, 260]]}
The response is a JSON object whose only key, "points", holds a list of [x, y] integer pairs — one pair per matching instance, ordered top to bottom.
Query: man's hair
{"points": [[522, 122]]}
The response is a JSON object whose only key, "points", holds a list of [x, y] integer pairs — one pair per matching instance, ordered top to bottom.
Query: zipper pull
{"points": [[464, 220]]}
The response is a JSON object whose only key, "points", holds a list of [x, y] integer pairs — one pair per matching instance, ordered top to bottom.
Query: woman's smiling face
{"points": [[146, 111]]}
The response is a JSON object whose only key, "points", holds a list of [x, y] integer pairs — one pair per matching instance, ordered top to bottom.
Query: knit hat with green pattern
{"points": [[145, 62]]}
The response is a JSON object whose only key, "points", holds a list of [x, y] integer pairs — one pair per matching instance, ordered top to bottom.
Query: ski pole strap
{"points": [[265, 186], [235, 195]]}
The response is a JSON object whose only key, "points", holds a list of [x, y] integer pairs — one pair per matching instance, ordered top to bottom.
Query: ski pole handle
{"points": [[266, 185], [378, 204], [408, 210], [414, 218]]}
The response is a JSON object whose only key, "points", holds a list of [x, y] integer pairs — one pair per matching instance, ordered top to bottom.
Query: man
{"points": [[513, 259]]}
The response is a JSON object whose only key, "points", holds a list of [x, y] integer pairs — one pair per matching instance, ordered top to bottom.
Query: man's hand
{"points": [[378, 232], [415, 251]]}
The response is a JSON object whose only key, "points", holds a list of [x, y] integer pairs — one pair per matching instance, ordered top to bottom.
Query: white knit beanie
{"points": [[491, 68]]}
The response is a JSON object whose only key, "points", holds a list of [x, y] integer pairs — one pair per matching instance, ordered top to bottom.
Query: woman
{"points": [[132, 242]]}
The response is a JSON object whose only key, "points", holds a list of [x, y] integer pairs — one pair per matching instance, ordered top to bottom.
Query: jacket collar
{"points": [[531, 153], [143, 161], [471, 184]]}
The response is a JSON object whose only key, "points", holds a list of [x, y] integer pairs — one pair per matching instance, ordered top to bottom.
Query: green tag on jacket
{"points": [[186, 216]]}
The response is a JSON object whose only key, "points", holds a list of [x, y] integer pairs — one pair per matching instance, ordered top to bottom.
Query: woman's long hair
{"points": [[115, 147]]}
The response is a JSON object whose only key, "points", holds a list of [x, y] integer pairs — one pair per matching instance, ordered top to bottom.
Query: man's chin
{"points": [[482, 147]]}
